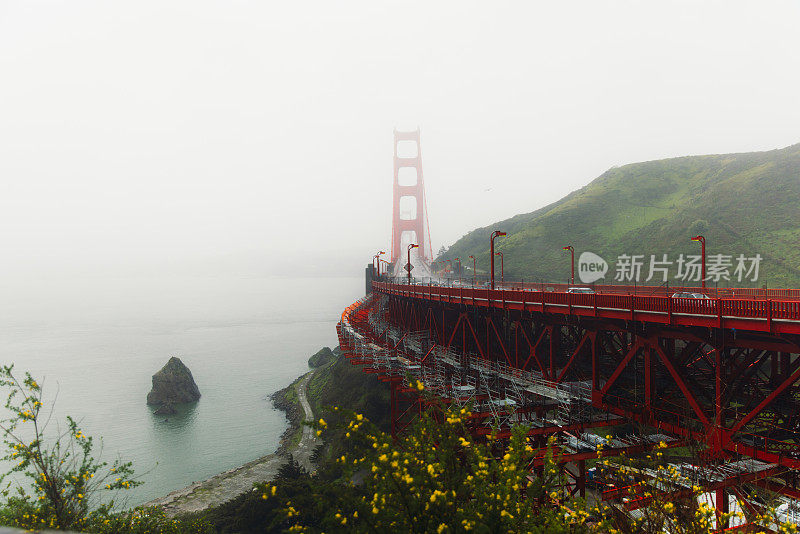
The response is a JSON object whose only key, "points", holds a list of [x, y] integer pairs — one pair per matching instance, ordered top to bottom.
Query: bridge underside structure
{"points": [[721, 374]]}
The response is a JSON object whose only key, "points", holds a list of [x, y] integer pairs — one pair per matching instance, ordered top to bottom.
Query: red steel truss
{"points": [[721, 372]]}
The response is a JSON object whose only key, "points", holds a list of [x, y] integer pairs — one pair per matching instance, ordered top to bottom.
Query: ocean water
{"points": [[95, 343]]}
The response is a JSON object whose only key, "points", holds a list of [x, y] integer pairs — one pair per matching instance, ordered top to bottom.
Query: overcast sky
{"points": [[159, 133]]}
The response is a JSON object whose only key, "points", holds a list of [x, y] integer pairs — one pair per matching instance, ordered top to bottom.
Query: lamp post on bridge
{"points": [[495, 235], [703, 254], [378, 258], [388, 263], [572, 263], [408, 265], [459, 270], [474, 270], [502, 275]]}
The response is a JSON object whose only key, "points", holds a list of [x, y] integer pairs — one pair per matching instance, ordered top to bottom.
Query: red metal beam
{"points": [[533, 348], [572, 358], [621, 367], [681, 384], [771, 397], [604, 453], [635, 504]]}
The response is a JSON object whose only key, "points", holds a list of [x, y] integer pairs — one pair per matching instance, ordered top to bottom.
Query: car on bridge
{"points": [[583, 290], [689, 295], [696, 302]]}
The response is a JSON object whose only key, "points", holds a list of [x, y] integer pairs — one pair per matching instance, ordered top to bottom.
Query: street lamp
{"points": [[495, 234], [703, 254], [377, 257], [388, 263], [572, 263], [408, 265], [474, 269], [459, 270], [502, 275]]}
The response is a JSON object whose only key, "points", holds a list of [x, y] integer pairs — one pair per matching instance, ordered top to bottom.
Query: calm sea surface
{"points": [[96, 344]]}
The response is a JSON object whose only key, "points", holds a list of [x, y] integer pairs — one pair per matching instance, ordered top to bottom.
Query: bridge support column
{"points": [[555, 346], [648, 381], [721, 502]]}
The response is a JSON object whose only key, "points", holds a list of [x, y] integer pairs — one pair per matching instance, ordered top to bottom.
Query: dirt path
{"points": [[308, 441], [225, 486]]}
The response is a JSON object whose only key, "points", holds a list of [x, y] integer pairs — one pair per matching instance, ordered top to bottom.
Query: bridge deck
{"points": [[774, 315]]}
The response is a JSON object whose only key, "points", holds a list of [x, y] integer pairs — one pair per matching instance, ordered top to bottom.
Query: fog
{"points": [[236, 138]]}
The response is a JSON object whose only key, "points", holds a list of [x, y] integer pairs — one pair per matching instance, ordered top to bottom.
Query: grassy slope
{"points": [[743, 204], [339, 383]]}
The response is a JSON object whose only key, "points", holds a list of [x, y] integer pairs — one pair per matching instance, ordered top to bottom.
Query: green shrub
{"points": [[68, 489]]}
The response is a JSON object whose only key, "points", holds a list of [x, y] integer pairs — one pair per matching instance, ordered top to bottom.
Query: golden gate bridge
{"points": [[720, 371]]}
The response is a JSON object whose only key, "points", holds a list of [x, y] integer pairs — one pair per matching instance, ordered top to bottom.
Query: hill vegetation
{"points": [[742, 203]]}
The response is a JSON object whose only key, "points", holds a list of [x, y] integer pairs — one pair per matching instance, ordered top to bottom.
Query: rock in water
{"points": [[173, 384], [168, 408]]}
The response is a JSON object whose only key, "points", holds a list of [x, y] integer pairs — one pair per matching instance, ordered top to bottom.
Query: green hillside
{"points": [[742, 203]]}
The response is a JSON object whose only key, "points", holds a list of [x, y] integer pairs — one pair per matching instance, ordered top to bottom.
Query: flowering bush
{"points": [[435, 479], [67, 489]]}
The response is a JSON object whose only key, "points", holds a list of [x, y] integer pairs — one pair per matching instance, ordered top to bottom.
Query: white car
{"points": [[584, 290], [688, 295]]}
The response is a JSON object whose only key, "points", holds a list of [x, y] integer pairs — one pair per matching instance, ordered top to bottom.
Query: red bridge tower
{"points": [[409, 213]]}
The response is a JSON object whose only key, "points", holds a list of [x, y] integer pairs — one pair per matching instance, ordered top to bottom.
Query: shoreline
{"points": [[229, 484]]}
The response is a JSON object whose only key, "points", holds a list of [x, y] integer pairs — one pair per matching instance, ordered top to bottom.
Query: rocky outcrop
{"points": [[323, 356], [173, 384], [286, 400], [168, 408]]}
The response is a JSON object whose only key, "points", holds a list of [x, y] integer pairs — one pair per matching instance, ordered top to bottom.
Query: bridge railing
{"points": [[663, 290], [722, 310]]}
